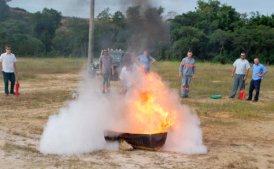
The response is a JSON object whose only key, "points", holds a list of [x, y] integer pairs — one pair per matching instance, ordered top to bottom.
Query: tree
{"points": [[4, 10], [44, 25]]}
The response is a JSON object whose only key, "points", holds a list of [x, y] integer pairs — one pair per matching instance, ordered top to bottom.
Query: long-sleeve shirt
{"points": [[188, 67], [258, 69]]}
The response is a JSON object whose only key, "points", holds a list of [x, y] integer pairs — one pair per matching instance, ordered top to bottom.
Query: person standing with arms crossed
{"points": [[8, 60], [241, 67], [106, 70], [187, 70], [258, 71]]}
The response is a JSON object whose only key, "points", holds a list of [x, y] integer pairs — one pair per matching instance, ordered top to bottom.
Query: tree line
{"points": [[213, 32]]}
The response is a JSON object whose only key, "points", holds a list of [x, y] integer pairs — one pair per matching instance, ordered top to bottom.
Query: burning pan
{"points": [[152, 142]]}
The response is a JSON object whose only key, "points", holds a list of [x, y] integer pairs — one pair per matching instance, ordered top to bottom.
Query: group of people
{"points": [[241, 67], [128, 71], [187, 71]]}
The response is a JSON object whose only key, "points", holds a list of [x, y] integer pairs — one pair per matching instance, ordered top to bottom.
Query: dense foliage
{"points": [[214, 32]]}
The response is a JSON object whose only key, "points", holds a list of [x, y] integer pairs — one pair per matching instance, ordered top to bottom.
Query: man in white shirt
{"points": [[8, 66], [241, 66], [130, 75]]}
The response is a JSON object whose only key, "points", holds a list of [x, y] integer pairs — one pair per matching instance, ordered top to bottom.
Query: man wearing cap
{"points": [[8, 66], [241, 66], [106, 69], [187, 70], [258, 72]]}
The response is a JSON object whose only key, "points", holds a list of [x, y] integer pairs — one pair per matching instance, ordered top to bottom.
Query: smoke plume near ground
{"points": [[79, 127]]}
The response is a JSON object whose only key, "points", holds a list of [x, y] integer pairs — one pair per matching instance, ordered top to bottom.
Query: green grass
{"points": [[211, 79], [215, 79], [11, 147]]}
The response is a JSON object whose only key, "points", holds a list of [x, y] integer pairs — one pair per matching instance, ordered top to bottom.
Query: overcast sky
{"points": [[80, 8]]}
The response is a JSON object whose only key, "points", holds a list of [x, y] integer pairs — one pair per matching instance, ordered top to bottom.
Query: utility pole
{"points": [[91, 33]]}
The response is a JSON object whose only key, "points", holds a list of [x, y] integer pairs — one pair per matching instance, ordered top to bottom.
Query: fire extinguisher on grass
{"points": [[17, 88], [242, 94]]}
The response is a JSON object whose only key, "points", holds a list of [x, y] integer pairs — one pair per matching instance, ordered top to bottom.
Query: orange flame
{"points": [[150, 108]]}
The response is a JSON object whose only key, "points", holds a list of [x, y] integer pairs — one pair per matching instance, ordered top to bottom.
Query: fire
{"points": [[150, 107]]}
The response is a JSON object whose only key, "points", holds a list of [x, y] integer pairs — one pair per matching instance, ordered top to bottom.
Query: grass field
{"points": [[238, 134]]}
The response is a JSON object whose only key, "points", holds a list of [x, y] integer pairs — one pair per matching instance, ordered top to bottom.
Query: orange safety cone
{"points": [[17, 88], [242, 94]]}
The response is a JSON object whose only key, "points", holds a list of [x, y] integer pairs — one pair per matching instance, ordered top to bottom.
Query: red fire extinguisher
{"points": [[17, 88], [242, 94]]}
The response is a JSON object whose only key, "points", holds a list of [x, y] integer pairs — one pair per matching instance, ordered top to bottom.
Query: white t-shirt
{"points": [[8, 61], [241, 66], [130, 77]]}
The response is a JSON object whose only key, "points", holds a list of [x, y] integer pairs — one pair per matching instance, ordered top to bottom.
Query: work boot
{"points": [[6, 94], [231, 96], [248, 99]]}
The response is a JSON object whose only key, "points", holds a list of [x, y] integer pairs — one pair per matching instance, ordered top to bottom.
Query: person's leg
{"points": [[6, 82], [12, 82], [108, 82], [103, 83], [241, 83], [188, 84], [257, 85], [183, 86], [235, 86], [251, 88]]}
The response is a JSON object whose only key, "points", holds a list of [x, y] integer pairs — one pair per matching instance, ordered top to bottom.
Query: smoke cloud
{"points": [[79, 127]]}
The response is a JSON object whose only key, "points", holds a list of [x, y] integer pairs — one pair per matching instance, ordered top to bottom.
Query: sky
{"points": [[80, 8]]}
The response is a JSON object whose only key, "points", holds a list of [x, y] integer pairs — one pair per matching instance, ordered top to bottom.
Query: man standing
{"points": [[145, 61], [8, 65], [241, 66], [106, 69], [187, 70], [258, 71], [130, 75]]}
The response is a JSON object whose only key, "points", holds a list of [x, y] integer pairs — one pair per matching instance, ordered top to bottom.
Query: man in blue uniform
{"points": [[187, 70], [258, 72]]}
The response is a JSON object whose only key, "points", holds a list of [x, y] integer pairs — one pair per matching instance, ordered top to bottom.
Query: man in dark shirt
{"points": [[106, 69]]}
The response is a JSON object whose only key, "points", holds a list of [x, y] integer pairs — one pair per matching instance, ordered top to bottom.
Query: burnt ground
{"points": [[231, 142]]}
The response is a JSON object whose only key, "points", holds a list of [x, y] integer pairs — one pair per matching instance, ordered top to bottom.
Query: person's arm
{"points": [[137, 60], [152, 60], [100, 66], [15, 68], [112, 68], [181, 69], [194, 71], [233, 71], [264, 72], [252, 73], [246, 74]]}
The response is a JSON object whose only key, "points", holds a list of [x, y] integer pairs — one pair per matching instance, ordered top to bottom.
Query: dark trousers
{"points": [[9, 77], [254, 84]]}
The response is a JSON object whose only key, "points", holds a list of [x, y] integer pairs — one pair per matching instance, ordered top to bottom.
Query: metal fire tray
{"points": [[153, 142]]}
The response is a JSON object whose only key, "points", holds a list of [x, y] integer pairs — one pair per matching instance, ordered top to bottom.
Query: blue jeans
{"points": [[9, 77], [106, 82], [254, 84]]}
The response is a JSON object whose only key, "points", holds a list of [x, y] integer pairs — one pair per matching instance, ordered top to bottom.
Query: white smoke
{"points": [[79, 127]]}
